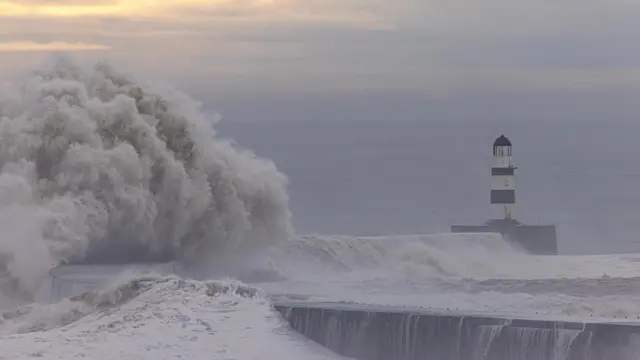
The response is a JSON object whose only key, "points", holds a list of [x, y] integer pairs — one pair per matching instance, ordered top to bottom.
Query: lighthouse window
{"points": [[500, 151]]}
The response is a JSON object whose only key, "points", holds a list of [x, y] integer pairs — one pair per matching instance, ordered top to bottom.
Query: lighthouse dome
{"points": [[502, 141]]}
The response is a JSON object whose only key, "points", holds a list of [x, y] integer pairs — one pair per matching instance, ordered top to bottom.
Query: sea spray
{"points": [[96, 167]]}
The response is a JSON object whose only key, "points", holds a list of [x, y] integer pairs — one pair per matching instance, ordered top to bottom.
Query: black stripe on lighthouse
{"points": [[498, 171], [503, 196]]}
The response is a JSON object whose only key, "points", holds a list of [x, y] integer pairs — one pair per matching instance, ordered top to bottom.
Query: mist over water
{"points": [[97, 167]]}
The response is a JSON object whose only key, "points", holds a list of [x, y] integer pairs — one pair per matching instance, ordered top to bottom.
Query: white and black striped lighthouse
{"points": [[503, 193], [536, 239]]}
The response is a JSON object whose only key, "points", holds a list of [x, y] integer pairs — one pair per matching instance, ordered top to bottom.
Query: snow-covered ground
{"points": [[156, 318]]}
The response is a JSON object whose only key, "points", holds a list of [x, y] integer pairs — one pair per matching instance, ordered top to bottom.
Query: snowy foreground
{"points": [[163, 316], [156, 318]]}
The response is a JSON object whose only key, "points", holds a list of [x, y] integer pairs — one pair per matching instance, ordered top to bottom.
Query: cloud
{"points": [[73, 9], [186, 10], [418, 45], [28, 46]]}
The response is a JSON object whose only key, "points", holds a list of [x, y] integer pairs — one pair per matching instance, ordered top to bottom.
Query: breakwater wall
{"points": [[366, 333]]}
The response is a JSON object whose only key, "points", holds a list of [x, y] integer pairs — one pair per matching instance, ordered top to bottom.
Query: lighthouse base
{"points": [[536, 239]]}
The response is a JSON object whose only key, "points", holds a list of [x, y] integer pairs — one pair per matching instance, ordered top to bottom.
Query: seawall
{"points": [[366, 333]]}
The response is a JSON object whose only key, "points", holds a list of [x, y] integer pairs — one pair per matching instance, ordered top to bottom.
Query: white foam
{"points": [[426, 257], [467, 272], [556, 306]]}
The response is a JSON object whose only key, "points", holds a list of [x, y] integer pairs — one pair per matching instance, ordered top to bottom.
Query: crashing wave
{"points": [[98, 168]]}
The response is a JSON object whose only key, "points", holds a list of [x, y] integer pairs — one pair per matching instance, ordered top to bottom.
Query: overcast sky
{"points": [[432, 47], [498, 63]]}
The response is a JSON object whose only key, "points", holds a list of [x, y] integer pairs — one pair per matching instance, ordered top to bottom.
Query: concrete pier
{"points": [[535, 239], [367, 333]]}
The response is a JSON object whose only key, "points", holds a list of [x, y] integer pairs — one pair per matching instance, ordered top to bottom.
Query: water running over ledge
{"points": [[367, 333]]}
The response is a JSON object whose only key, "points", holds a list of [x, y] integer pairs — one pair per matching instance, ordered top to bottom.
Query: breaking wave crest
{"points": [[98, 168], [436, 257], [404, 258]]}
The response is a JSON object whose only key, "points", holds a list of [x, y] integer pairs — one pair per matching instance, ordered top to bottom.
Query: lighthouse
{"points": [[503, 192], [536, 239]]}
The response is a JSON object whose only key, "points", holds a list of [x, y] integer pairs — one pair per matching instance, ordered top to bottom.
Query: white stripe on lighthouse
{"points": [[502, 161], [502, 182]]}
